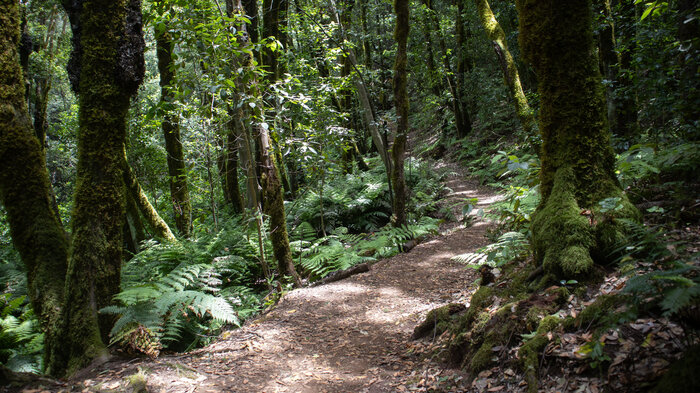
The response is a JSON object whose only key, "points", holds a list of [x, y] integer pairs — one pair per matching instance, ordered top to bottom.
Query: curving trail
{"points": [[348, 336]]}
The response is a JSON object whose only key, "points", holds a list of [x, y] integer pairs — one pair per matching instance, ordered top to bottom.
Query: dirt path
{"points": [[348, 336]]}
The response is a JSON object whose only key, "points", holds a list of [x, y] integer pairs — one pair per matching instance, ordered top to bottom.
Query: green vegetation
{"points": [[302, 138]]}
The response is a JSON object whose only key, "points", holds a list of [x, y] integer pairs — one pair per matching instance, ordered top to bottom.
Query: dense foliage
{"points": [[338, 198]]}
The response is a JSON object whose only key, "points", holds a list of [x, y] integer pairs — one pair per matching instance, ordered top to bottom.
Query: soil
{"points": [[353, 335]]}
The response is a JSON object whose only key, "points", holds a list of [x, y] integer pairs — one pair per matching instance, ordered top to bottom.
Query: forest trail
{"points": [[349, 336]]}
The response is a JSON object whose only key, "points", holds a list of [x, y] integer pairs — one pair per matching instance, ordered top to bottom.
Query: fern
{"points": [[509, 246], [344, 250], [165, 307], [21, 339]]}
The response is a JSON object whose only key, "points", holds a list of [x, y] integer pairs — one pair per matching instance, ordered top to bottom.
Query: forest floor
{"points": [[354, 335], [349, 336]]}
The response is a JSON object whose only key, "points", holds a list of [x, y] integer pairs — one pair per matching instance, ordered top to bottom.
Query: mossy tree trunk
{"points": [[508, 66], [106, 69], [398, 149], [577, 159], [177, 172], [272, 192], [148, 212], [35, 226]]}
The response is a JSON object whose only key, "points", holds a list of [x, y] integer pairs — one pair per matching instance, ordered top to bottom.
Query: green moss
{"points": [[577, 159], [561, 235], [529, 352], [482, 358], [138, 382]]}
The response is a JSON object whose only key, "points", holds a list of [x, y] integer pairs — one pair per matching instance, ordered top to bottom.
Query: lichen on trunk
{"points": [[107, 69], [35, 225], [570, 233]]}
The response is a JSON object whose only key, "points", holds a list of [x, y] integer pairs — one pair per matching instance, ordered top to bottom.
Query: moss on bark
{"points": [[109, 56], [511, 76], [577, 159], [24, 187], [157, 224]]}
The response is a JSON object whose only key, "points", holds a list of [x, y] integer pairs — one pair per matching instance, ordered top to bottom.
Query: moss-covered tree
{"points": [[508, 66], [106, 69], [398, 149], [177, 173], [24, 187], [138, 197], [570, 233]]}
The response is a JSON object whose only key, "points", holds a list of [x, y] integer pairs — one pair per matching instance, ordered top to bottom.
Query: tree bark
{"points": [[106, 69], [510, 70], [462, 119], [398, 149], [577, 159], [177, 172], [272, 195], [148, 212], [35, 225]]}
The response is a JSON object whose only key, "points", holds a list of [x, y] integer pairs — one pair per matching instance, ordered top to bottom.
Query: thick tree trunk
{"points": [[106, 69], [510, 70], [398, 149], [577, 159], [177, 172], [25, 191], [273, 206], [148, 212]]}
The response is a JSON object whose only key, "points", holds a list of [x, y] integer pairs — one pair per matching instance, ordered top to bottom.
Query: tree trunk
{"points": [[366, 41], [688, 59], [464, 63], [106, 69], [510, 70], [434, 80], [366, 104], [462, 119], [626, 124], [398, 149], [577, 159], [231, 165], [177, 172], [272, 195], [150, 214], [35, 226]]}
